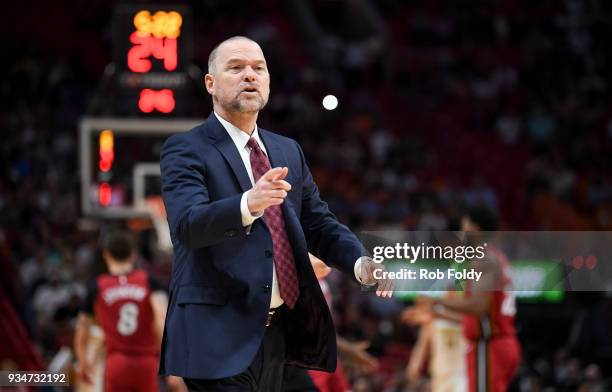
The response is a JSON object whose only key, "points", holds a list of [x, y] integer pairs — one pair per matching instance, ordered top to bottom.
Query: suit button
{"points": [[230, 233], [268, 253], [267, 288]]}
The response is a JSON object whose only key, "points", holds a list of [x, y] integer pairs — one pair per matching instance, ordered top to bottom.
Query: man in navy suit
{"points": [[243, 212]]}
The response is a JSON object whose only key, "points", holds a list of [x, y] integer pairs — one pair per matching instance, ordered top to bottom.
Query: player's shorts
{"points": [[492, 364], [131, 373], [452, 382]]}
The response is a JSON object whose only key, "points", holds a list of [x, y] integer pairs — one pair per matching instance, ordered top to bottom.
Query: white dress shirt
{"points": [[241, 139]]}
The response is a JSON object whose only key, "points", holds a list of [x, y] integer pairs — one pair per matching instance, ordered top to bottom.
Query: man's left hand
{"points": [[367, 269]]}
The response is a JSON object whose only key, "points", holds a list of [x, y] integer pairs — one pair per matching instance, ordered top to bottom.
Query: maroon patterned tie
{"points": [[283, 254]]}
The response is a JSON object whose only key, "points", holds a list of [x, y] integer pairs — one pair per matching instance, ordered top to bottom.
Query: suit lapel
{"points": [[224, 143], [275, 152], [277, 158]]}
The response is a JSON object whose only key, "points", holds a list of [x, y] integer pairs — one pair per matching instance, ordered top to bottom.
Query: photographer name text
{"points": [[425, 274]]}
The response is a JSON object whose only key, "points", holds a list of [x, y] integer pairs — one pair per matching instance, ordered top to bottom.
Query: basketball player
{"points": [[130, 307], [488, 310], [441, 341], [94, 352]]}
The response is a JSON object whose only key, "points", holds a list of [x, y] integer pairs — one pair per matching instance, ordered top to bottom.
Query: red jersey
{"points": [[122, 306], [498, 321]]}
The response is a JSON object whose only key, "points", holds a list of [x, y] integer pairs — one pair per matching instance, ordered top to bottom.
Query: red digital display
{"points": [[155, 38], [146, 46], [162, 100], [107, 150], [105, 194]]}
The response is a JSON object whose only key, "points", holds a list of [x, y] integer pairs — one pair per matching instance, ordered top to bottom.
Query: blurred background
{"points": [[441, 105]]}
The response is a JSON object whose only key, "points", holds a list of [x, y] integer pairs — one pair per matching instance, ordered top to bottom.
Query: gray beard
{"points": [[237, 106]]}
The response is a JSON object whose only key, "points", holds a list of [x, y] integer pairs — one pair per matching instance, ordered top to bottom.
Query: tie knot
{"points": [[252, 143]]}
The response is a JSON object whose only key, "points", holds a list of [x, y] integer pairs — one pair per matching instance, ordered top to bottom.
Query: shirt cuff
{"points": [[247, 217], [357, 268]]}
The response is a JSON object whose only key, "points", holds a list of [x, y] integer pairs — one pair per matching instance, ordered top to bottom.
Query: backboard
{"points": [[119, 163]]}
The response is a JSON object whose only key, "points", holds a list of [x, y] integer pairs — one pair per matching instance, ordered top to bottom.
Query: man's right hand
{"points": [[270, 190]]}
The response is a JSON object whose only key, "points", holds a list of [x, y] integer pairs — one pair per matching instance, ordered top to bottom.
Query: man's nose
{"points": [[249, 73]]}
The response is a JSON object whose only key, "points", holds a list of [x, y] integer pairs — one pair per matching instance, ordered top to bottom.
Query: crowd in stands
{"points": [[505, 104]]}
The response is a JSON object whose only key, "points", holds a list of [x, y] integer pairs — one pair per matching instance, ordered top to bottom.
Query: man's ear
{"points": [[209, 83]]}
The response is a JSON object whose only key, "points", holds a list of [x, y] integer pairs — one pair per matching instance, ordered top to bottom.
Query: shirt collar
{"points": [[239, 137]]}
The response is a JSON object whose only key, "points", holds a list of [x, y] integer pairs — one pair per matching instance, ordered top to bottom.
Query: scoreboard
{"points": [[152, 66], [147, 93]]}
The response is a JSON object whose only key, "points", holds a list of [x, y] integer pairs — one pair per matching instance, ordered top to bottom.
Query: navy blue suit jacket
{"points": [[222, 276]]}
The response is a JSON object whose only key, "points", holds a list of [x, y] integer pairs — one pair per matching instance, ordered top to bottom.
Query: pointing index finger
{"points": [[270, 174]]}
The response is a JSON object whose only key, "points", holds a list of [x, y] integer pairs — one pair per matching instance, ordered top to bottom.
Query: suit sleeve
{"points": [[194, 219], [327, 238]]}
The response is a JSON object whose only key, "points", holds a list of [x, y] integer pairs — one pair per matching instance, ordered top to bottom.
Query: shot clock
{"points": [[152, 60]]}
